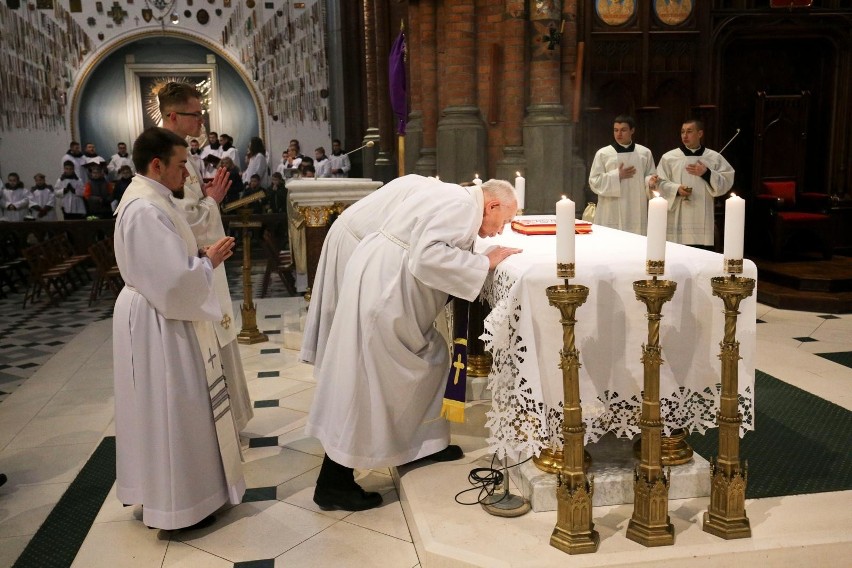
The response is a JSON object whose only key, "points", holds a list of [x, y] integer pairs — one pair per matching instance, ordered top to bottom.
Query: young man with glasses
{"points": [[180, 107]]}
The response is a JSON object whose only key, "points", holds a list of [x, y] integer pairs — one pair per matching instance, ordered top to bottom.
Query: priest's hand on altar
{"points": [[218, 187], [219, 251], [496, 255]]}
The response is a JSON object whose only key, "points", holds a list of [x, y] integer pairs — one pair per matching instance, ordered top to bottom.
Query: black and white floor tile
{"points": [[54, 420]]}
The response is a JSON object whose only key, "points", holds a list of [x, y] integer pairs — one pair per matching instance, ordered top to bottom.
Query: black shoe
{"points": [[448, 454], [351, 499], [202, 524]]}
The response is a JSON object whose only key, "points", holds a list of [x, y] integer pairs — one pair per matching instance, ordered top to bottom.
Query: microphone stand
{"points": [[737, 133], [369, 144]]}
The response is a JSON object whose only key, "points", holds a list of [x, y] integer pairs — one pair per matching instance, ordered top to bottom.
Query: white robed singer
{"points": [[622, 204], [204, 218], [357, 221], [691, 221], [378, 398], [173, 456]]}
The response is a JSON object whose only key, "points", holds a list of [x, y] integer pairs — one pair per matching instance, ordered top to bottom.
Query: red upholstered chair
{"points": [[790, 215]]}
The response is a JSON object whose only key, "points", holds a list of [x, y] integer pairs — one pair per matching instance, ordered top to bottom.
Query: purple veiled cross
{"points": [[396, 81]]}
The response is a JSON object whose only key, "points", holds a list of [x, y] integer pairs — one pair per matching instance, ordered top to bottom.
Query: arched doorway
{"points": [[102, 111]]}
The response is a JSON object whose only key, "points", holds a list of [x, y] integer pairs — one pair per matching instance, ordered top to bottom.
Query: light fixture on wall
{"points": [[175, 18]]}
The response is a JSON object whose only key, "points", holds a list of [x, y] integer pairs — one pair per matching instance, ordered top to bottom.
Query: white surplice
{"points": [[622, 204], [202, 214], [359, 220], [690, 221], [381, 382], [168, 452]]}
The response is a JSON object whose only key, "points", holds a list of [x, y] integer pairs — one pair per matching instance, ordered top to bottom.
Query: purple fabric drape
{"points": [[396, 82]]}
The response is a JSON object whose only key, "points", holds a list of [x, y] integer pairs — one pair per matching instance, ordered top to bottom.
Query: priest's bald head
{"points": [[160, 155], [500, 206]]}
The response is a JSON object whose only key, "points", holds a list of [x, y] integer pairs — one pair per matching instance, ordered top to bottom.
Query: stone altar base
{"points": [[612, 468]]}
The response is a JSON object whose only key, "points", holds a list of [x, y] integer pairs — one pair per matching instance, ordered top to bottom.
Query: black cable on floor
{"points": [[486, 480]]}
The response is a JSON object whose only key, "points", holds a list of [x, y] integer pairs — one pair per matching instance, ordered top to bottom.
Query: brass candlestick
{"points": [[249, 333], [551, 460], [726, 516], [650, 524], [574, 532]]}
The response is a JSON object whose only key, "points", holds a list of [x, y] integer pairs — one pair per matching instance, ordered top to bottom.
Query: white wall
{"points": [[30, 151]]}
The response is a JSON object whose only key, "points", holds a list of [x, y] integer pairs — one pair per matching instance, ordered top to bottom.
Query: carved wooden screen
{"points": [[780, 137]]}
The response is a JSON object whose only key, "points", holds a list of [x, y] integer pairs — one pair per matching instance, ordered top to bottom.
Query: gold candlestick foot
{"points": [[479, 365], [674, 449], [551, 461], [726, 516], [650, 524], [574, 532]]}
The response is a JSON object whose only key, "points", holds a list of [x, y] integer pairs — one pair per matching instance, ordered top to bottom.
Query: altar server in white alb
{"points": [[180, 106], [619, 175], [689, 177], [358, 220], [378, 399], [177, 448]]}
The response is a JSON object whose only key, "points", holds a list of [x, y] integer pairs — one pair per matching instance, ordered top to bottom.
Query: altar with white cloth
{"points": [[524, 336]]}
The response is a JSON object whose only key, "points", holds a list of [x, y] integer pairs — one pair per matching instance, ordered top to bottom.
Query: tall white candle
{"points": [[476, 180], [520, 189], [658, 209], [734, 227], [565, 230]]}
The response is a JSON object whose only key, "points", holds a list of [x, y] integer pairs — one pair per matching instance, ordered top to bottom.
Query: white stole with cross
{"points": [[226, 432]]}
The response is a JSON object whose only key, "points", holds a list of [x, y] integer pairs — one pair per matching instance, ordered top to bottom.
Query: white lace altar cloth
{"points": [[524, 336]]}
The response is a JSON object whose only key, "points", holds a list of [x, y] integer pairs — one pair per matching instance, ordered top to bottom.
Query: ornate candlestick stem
{"points": [[249, 333], [726, 516], [650, 524], [574, 532]]}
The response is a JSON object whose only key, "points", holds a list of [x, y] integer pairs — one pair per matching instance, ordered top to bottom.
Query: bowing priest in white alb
{"points": [[180, 106], [619, 175], [689, 177], [358, 220], [378, 397], [177, 448]]}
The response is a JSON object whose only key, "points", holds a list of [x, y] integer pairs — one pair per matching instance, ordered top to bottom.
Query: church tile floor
{"points": [[56, 373]]}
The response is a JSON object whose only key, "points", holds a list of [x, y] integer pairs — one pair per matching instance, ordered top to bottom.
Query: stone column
{"points": [[513, 93], [461, 131], [548, 132], [369, 155], [426, 164]]}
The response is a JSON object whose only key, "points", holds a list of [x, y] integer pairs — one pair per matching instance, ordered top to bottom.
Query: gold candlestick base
{"points": [[249, 333], [479, 365], [674, 449], [551, 461], [726, 516], [650, 524], [574, 532]]}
